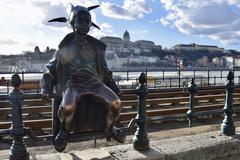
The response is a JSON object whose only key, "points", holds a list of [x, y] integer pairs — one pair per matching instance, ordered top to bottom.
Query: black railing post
{"points": [[221, 73], [163, 74], [127, 75], [23, 76], [146, 76], [179, 77], [208, 77], [214, 80], [170, 81], [201, 81], [154, 82], [7, 87], [192, 89], [227, 126], [141, 140], [18, 150]]}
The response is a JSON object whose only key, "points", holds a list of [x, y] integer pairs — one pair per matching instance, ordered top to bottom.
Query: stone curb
{"points": [[205, 146]]}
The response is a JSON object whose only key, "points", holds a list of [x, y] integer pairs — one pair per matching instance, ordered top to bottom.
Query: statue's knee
{"points": [[117, 104], [116, 108], [65, 112]]}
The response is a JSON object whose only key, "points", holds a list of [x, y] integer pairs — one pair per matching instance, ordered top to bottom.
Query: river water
{"points": [[157, 74], [161, 79]]}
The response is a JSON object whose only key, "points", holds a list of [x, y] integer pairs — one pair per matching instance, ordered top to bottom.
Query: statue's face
{"points": [[82, 23]]}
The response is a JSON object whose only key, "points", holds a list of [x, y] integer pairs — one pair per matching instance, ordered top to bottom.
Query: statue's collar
{"points": [[71, 36]]}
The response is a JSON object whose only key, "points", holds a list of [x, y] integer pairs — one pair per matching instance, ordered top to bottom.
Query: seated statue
{"points": [[87, 96]]}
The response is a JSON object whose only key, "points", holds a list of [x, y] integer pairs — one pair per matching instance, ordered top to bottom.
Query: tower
{"points": [[126, 36]]}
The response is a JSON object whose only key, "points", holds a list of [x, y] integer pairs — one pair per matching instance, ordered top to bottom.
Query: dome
{"points": [[126, 33]]}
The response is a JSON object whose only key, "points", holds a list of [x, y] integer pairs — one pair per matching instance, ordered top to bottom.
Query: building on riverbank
{"points": [[194, 46], [124, 47], [121, 52]]}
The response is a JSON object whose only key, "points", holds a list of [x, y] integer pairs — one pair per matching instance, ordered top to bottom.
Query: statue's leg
{"points": [[115, 109], [65, 115], [55, 123]]}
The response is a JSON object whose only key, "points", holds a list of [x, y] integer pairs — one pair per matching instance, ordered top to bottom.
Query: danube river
{"points": [[157, 74], [215, 77], [156, 79]]}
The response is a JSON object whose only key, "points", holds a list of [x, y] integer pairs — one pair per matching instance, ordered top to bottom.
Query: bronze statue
{"points": [[87, 96]]}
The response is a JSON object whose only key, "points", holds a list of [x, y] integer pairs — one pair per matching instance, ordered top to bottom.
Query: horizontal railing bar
{"points": [[128, 91], [39, 109], [46, 123]]}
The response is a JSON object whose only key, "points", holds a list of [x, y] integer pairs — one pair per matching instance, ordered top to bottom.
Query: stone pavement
{"points": [[165, 144], [204, 146], [121, 152], [76, 155]]}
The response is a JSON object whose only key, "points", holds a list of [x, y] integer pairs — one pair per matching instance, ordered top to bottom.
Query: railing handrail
{"points": [[125, 91]]}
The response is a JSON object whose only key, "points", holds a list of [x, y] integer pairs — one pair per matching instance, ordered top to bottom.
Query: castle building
{"points": [[117, 45]]}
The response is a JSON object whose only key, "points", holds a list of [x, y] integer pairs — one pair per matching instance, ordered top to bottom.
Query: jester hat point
{"points": [[74, 11]]}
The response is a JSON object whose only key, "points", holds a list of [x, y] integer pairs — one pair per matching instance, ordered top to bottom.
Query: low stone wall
{"points": [[205, 146]]}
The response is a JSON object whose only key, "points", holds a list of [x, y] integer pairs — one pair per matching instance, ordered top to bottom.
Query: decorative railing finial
{"points": [[230, 76], [142, 78], [16, 80], [192, 89], [227, 126], [141, 140], [18, 149]]}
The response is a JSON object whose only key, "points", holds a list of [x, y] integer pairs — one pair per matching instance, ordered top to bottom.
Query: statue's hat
{"points": [[74, 11]]}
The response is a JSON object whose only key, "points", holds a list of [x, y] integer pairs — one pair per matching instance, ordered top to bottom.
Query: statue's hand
{"points": [[47, 86], [113, 86], [119, 94], [45, 95]]}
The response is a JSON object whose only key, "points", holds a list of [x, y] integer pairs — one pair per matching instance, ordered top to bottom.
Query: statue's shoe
{"points": [[118, 135], [61, 141]]}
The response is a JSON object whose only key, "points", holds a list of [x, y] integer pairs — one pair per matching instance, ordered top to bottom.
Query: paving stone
{"points": [[206, 146], [126, 152], [92, 154], [58, 156], [66, 157]]}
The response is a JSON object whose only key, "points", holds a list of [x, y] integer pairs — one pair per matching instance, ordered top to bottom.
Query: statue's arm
{"points": [[49, 78], [109, 81]]}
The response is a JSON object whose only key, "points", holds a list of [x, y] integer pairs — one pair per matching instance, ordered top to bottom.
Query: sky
{"points": [[23, 23]]}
